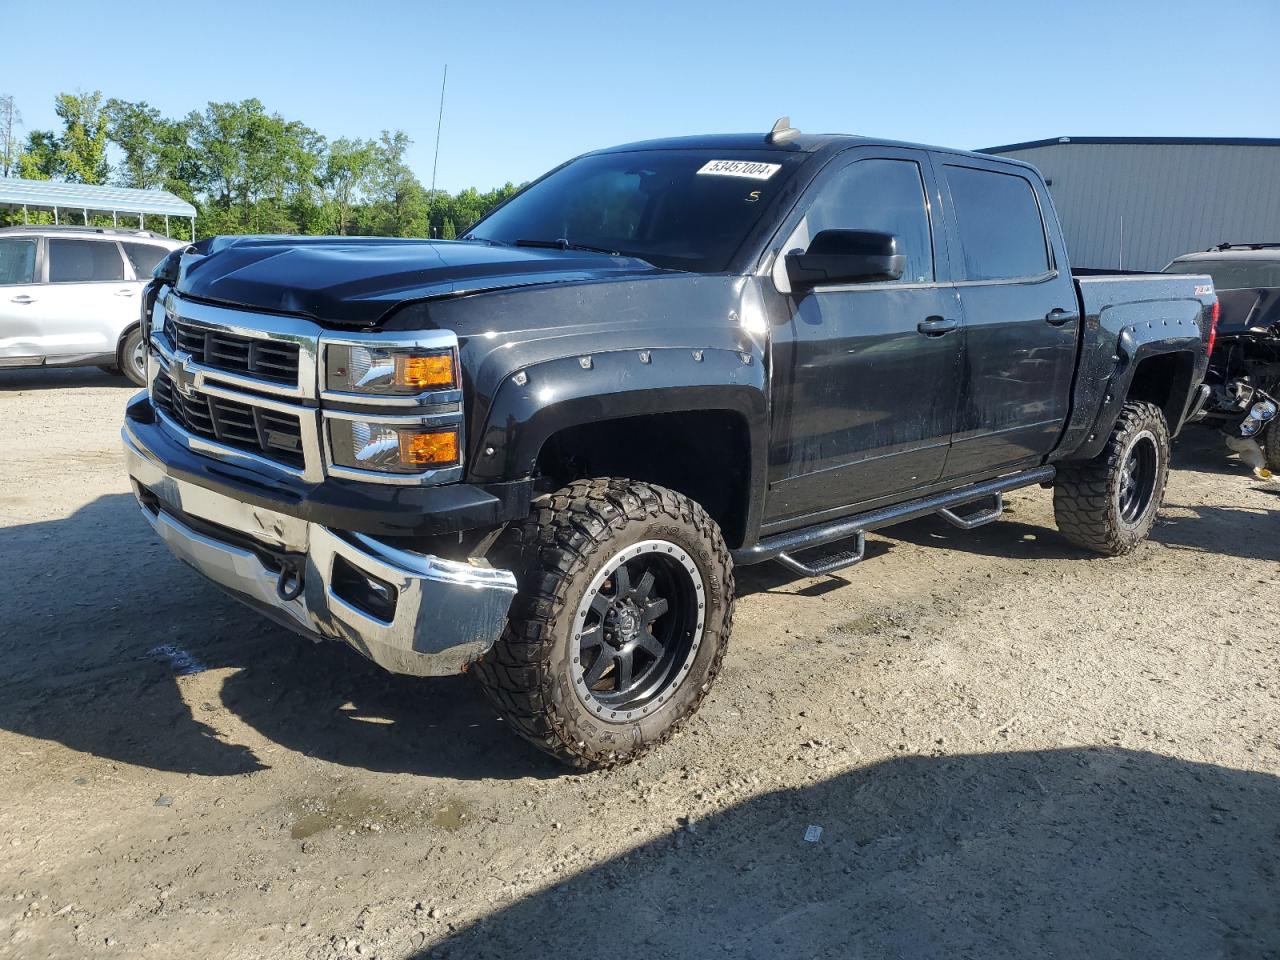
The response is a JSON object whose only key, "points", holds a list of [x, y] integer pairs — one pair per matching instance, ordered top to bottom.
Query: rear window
{"points": [[1001, 232], [144, 257], [17, 260], [81, 261], [1232, 274]]}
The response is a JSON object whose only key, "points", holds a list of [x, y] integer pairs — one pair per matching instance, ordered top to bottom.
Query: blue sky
{"points": [[535, 82]]}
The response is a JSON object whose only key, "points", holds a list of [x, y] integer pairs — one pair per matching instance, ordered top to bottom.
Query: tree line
{"points": [[244, 169]]}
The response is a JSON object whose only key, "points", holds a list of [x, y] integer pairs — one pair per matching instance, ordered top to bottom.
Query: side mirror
{"points": [[846, 256]]}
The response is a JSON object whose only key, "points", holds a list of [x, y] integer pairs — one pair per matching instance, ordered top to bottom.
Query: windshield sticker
{"points": [[739, 168]]}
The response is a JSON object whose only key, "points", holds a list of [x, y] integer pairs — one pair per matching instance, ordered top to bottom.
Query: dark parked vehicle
{"points": [[1244, 368], [540, 452]]}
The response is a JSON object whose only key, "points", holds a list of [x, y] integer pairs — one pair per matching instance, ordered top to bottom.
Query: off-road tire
{"points": [[125, 358], [1271, 446], [1087, 495], [556, 553]]}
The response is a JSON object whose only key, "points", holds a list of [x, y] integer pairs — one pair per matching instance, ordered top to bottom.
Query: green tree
{"points": [[138, 130], [82, 146], [39, 158], [244, 168], [349, 168]]}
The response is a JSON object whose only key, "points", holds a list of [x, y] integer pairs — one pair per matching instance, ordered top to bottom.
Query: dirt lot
{"points": [[1011, 750]]}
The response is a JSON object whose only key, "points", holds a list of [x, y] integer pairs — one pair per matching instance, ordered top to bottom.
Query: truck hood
{"points": [[355, 281]]}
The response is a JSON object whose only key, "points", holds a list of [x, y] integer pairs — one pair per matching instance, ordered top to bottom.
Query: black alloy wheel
{"points": [[1138, 478], [638, 628]]}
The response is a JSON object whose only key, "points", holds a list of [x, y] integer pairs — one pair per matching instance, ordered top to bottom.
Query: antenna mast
{"points": [[439, 122]]}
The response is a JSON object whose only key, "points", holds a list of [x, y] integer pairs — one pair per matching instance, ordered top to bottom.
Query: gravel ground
{"points": [[999, 746]]}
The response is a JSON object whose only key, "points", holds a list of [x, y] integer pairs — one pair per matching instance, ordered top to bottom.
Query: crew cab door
{"points": [[19, 298], [89, 298], [1021, 317], [865, 375]]}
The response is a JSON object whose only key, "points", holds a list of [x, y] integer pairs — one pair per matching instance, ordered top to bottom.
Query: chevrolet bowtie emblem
{"points": [[183, 380]]}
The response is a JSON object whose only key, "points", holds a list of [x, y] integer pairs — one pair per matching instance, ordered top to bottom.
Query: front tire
{"points": [[131, 358], [1271, 446], [1109, 504], [620, 624]]}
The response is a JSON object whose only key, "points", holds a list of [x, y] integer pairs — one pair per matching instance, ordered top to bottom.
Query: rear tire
{"points": [[131, 358], [1109, 504], [620, 624]]}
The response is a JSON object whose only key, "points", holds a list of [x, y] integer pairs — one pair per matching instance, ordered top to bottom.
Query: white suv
{"points": [[69, 296]]}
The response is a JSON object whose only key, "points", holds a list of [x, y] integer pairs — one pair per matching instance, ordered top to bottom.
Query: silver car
{"points": [[69, 296]]}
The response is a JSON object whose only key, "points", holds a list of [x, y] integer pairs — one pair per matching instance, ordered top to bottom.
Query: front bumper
{"points": [[411, 613]]}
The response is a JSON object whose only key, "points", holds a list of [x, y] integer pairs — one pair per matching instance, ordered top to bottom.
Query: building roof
{"points": [[1167, 141], [77, 196]]}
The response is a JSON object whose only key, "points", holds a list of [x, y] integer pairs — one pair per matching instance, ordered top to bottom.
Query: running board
{"points": [[975, 520], [795, 541], [833, 562]]}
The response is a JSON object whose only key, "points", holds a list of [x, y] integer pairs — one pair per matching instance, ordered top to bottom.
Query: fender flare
{"points": [[1132, 354], [534, 403]]}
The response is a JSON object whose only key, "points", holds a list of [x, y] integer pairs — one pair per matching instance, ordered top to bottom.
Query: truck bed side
{"points": [[1142, 337]]}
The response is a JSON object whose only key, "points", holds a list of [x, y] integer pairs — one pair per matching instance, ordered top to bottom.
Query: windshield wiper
{"points": [[472, 238], [563, 244]]}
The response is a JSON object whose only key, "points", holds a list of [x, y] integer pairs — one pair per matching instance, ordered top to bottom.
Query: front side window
{"points": [[883, 195], [677, 209], [1001, 232], [17, 260], [84, 261]]}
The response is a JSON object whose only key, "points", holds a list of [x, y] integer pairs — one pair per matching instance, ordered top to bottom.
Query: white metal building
{"points": [[1135, 203]]}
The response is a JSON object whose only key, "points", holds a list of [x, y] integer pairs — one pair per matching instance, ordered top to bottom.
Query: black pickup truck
{"points": [[539, 452]]}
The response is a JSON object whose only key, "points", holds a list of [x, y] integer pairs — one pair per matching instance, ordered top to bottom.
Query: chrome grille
{"points": [[273, 360], [277, 436]]}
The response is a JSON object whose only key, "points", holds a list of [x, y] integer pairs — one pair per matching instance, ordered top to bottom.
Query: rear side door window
{"points": [[884, 195], [1001, 229], [143, 257], [17, 260], [84, 261]]}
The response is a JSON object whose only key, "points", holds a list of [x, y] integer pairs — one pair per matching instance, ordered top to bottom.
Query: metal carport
{"points": [[86, 198]]}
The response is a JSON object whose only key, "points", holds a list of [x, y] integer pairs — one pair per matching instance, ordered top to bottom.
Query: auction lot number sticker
{"points": [[739, 168]]}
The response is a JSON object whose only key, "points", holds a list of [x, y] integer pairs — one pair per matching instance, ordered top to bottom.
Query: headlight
{"points": [[388, 371], [392, 447]]}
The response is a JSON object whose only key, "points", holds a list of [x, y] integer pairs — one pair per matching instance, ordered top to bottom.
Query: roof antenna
{"points": [[782, 131]]}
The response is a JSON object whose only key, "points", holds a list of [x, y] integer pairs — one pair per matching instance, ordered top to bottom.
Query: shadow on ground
{"points": [[13, 380], [101, 619], [1078, 853]]}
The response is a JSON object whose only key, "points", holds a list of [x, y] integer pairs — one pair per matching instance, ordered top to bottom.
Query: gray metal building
{"points": [[1135, 203]]}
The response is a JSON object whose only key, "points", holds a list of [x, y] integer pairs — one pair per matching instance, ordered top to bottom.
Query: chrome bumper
{"points": [[446, 613]]}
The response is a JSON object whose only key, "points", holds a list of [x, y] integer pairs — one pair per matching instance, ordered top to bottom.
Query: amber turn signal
{"points": [[433, 371], [436, 449]]}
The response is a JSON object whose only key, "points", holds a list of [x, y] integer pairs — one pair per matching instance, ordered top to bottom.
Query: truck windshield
{"points": [[678, 209], [1232, 274]]}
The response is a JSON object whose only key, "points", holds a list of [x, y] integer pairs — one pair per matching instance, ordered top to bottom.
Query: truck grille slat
{"points": [[273, 361], [277, 436]]}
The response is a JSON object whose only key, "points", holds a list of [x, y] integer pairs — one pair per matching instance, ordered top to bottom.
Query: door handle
{"points": [[124, 293], [23, 298], [1057, 317], [936, 326]]}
